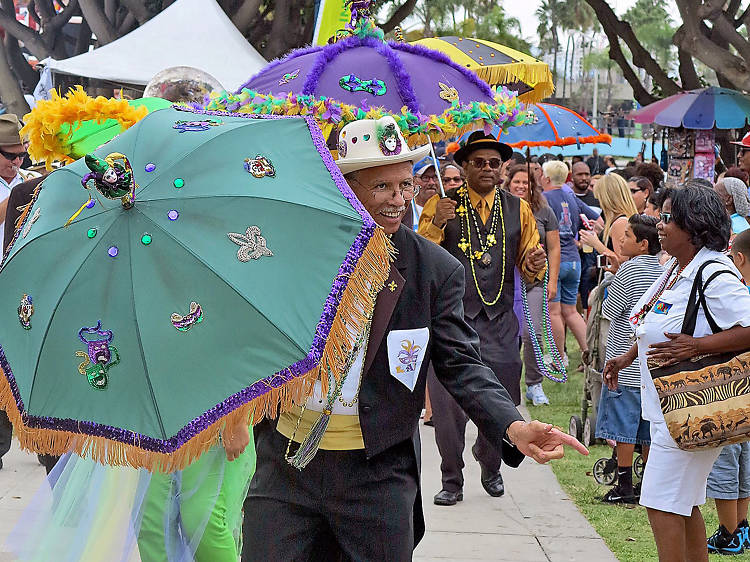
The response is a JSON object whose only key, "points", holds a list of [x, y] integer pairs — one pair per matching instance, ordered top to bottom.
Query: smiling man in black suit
{"points": [[361, 489]]}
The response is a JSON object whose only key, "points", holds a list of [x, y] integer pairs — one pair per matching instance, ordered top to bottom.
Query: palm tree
{"points": [[550, 15]]}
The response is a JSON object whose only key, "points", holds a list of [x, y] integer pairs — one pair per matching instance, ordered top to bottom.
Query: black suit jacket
{"points": [[19, 196], [428, 292]]}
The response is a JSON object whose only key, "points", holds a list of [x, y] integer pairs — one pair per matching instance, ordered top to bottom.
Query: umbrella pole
{"points": [[437, 170]]}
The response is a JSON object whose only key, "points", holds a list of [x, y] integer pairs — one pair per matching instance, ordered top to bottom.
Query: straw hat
{"points": [[368, 143]]}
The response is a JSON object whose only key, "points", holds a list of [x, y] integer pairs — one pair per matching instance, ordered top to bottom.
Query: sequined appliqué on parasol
{"points": [[288, 77], [351, 83], [448, 93], [196, 126], [388, 140], [342, 148], [260, 167], [32, 220], [252, 244], [25, 311], [184, 323], [99, 356]]}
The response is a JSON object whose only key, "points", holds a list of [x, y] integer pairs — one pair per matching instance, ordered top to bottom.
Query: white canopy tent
{"points": [[193, 33]]}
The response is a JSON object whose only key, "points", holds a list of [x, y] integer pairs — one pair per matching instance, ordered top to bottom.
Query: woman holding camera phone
{"points": [[617, 206]]}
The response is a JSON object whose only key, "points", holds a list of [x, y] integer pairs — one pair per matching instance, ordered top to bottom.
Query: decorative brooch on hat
{"points": [[388, 139]]}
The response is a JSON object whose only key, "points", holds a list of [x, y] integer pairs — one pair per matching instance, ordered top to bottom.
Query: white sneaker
{"points": [[535, 393]]}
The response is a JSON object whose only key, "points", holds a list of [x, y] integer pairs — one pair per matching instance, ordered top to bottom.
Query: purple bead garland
{"points": [[546, 334]]}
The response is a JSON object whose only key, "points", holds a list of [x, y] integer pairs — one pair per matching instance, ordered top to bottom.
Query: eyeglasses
{"points": [[13, 155], [480, 163], [455, 179], [407, 190], [635, 190], [666, 218]]}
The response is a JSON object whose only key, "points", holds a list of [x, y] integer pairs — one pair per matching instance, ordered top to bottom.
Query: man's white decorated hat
{"points": [[374, 142]]}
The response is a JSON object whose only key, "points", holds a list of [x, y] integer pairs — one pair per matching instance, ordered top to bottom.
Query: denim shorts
{"points": [[567, 282], [619, 416], [730, 476]]}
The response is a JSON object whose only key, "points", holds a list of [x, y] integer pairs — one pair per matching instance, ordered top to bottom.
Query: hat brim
{"points": [[740, 143], [462, 153], [355, 164]]}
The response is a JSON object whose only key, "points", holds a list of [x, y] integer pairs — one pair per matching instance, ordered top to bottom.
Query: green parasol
{"points": [[215, 289]]}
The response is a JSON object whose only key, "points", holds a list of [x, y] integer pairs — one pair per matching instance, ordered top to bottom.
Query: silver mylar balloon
{"points": [[181, 84]]}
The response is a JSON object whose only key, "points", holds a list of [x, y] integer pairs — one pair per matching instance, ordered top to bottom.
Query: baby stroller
{"points": [[583, 427], [605, 469]]}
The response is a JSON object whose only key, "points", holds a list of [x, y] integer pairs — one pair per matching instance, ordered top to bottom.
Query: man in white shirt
{"points": [[12, 154], [425, 175]]}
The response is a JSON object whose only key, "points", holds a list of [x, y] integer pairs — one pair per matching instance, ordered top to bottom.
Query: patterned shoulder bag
{"points": [[705, 399]]}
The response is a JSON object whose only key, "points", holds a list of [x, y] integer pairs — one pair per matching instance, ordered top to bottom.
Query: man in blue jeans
{"points": [[568, 208]]}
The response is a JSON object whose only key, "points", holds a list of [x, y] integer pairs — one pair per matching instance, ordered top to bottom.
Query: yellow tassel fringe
{"points": [[537, 75], [354, 311]]}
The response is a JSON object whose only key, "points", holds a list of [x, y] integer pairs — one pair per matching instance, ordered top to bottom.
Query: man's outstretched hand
{"points": [[541, 441]]}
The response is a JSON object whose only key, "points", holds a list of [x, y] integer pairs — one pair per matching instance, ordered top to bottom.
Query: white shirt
{"points": [[5, 188], [416, 212], [728, 301], [318, 401]]}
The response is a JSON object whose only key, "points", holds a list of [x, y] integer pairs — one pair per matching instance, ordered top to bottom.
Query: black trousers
{"points": [[498, 343], [6, 433], [340, 503]]}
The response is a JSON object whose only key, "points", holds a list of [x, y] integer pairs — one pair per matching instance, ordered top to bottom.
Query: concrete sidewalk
{"points": [[534, 522]]}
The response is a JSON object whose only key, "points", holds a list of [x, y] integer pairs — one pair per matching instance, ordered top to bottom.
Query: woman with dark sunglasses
{"points": [[641, 189]]}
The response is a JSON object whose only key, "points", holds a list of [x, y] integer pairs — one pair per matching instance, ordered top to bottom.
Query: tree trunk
{"points": [[138, 9], [403, 12], [245, 14], [99, 24], [616, 29], [31, 39], [276, 40], [83, 41], [695, 43], [18, 63], [10, 91]]}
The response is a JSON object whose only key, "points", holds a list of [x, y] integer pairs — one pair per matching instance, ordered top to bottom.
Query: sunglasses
{"points": [[13, 155], [480, 163], [455, 179], [635, 190], [666, 218]]}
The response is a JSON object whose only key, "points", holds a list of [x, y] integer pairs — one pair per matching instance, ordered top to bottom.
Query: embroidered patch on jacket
{"points": [[662, 307], [406, 351]]}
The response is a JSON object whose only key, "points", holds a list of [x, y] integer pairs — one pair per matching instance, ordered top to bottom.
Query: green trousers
{"points": [[197, 512]]}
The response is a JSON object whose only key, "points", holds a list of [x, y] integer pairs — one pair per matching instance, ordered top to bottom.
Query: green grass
{"points": [[625, 529]]}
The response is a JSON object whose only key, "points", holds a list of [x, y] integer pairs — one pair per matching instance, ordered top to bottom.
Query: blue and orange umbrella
{"points": [[550, 125]]}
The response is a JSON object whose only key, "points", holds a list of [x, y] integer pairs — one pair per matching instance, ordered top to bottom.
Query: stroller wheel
{"points": [[575, 427], [589, 431], [639, 465], [603, 472]]}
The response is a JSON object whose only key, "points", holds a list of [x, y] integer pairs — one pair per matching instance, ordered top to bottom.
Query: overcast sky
{"points": [[526, 14]]}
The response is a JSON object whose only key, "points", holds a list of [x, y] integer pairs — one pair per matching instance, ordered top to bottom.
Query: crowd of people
{"points": [[630, 234], [526, 244]]}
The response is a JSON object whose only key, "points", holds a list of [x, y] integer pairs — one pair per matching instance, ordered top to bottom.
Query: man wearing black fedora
{"points": [[490, 232]]}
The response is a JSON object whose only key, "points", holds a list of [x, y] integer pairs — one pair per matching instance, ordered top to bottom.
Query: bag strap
{"points": [[698, 299]]}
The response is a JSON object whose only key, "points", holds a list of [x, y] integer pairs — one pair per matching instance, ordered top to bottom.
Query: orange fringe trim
{"points": [[565, 141], [355, 311]]}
